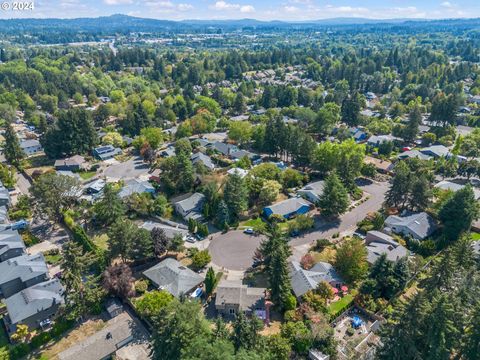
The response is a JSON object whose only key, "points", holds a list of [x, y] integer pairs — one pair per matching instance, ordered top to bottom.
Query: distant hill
{"points": [[64, 30]]}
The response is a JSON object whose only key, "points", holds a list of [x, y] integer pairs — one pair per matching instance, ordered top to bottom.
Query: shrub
{"points": [[321, 244], [201, 259], [307, 261], [141, 286]]}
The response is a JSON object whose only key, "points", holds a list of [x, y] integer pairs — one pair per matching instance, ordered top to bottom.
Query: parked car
{"points": [[249, 231], [190, 239]]}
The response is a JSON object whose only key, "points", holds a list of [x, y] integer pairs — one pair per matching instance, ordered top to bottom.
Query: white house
{"points": [[31, 146]]}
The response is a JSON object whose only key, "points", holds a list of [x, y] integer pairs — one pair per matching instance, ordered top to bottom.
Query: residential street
{"points": [[234, 249]]}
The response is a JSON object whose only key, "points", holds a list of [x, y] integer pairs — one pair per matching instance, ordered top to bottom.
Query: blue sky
{"points": [[257, 9]]}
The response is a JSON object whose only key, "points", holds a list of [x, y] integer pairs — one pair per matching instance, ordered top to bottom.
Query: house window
{"points": [[232, 311]]}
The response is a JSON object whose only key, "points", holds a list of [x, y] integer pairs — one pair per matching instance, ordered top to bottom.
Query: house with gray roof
{"points": [[376, 140], [31, 146], [224, 148], [436, 151], [106, 152], [414, 154], [202, 159], [74, 163], [452, 185], [135, 186], [312, 191], [5, 199], [190, 206], [288, 208], [3, 214], [417, 225], [170, 231], [378, 243], [11, 245], [22, 272], [173, 277], [304, 280], [234, 297], [34, 306]]}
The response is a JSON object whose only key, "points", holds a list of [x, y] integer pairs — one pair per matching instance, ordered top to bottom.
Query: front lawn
{"points": [[85, 175], [256, 224], [340, 305]]}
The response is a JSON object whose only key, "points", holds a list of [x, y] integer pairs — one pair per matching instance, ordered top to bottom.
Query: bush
{"points": [[321, 244], [201, 259], [307, 261], [141, 286], [290, 303], [350, 331]]}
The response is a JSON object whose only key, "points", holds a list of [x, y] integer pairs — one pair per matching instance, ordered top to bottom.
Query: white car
{"points": [[249, 231], [190, 239]]}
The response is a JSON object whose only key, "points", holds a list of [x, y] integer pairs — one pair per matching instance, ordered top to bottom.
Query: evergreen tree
{"points": [[239, 106], [410, 131], [12, 150], [235, 195], [397, 195], [334, 200], [110, 207], [458, 213], [278, 275], [210, 281]]}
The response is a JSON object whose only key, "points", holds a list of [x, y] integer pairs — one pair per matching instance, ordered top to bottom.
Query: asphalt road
{"points": [[130, 169], [234, 250]]}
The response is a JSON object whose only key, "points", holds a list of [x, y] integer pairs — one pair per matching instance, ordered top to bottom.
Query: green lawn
{"points": [[85, 175], [256, 224], [475, 236], [53, 259], [340, 304]]}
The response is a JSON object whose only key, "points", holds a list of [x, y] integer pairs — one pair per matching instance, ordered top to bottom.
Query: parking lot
{"points": [[234, 249]]}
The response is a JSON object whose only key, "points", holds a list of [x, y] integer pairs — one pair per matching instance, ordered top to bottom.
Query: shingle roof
{"points": [[29, 143], [436, 150], [414, 154], [200, 157], [76, 160], [135, 186], [454, 186], [314, 187], [192, 202], [288, 206], [420, 224], [170, 231], [10, 239], [24, 267], [173, 277], [304, 280], [230, 292], [34, 299]]}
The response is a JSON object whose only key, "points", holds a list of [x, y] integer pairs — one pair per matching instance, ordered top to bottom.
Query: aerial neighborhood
{"points": [[236, 192]]}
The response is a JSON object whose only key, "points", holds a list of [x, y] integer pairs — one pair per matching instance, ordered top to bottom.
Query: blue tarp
{"points": [[356, 322]]}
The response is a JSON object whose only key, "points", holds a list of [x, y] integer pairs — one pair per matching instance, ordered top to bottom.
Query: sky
{"points": [[293, 10]]}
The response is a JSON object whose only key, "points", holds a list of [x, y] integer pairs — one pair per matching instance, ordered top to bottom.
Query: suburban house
{"points": [[376, 140], [31, 146], [224, 148], [436, 151], [106, 152], [168, 152], [413, 154], [254, 158], [202, 159], [74, 163], [382, 166], [238, 171], [449, 185], [95, 186], [135, 186], [312, 191], [4, 196], [190, 206], [288, 208], [418, 225], [169, 231], [378, 243], [11, 245], [22, 272], [173, 277], [304, 280], [233, 297], [34, 306], [123, 338]]}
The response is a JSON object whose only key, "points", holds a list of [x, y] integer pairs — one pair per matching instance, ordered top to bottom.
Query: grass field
{"points": [[85, 175], [475, 236], [340, 304]]}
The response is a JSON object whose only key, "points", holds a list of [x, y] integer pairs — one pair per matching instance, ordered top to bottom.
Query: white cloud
{"points": [[117, 2], [447, 4], [222, 5], [185, 7], [247, 9], [291, 9]]}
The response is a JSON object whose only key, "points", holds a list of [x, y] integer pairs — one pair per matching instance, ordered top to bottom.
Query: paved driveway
{"points": [[130, 169], [234, 250]]}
